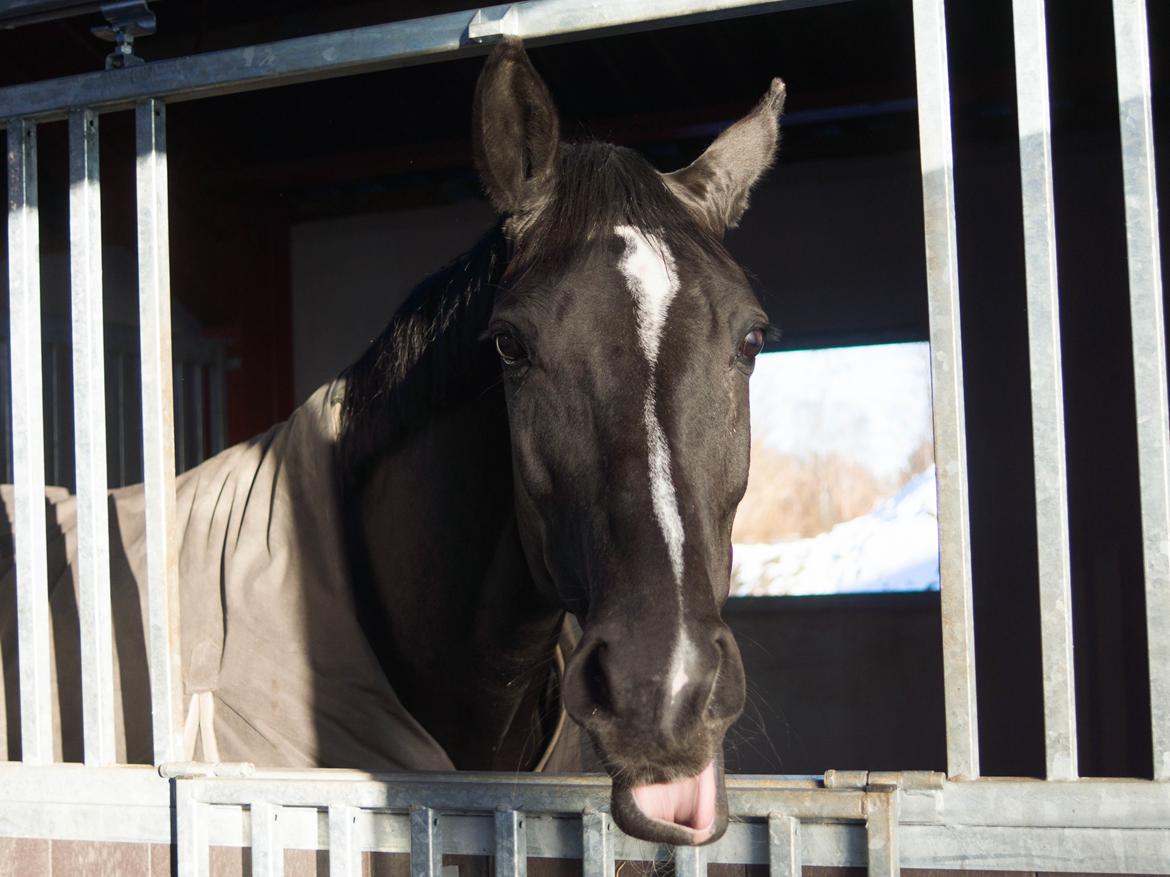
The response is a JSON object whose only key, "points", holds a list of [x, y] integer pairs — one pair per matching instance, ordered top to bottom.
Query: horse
{"points": [[515, 505]]}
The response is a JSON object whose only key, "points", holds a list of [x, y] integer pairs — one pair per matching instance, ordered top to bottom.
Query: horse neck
{"points": [[444, 589]]}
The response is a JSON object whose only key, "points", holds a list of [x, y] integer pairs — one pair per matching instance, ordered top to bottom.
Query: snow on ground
{"points": [[892, 548]]}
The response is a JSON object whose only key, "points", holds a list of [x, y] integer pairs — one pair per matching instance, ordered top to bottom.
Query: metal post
{"points": [[1132, 41], [946, 380], [89, 412], [28, 445], [158, 454], [1056, 637], [881, 833], [511, 844], [597, 844], [783, 846], [426, 848], [267, 850], [193, 853], [345, 856], [690, 861]]}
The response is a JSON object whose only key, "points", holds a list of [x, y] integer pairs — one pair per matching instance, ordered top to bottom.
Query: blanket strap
{"points": [[201, 721]]}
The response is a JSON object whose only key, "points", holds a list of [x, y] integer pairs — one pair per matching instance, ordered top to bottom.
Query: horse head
{"points": [[626, 334]]}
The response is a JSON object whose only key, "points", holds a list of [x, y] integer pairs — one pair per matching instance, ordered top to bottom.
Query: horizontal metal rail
{"points": [[365, 49], [1120, 826]]}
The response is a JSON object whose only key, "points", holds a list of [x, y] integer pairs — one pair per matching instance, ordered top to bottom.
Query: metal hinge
{"points": [[125, 20], [190, 770], [874, 780]]}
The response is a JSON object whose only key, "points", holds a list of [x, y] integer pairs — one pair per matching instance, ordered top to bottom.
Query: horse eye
{"points": [[752, 344], [511, 351]]}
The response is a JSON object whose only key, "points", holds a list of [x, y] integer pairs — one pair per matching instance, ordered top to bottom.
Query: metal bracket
{"points": [[125, 20], [489, 25]]}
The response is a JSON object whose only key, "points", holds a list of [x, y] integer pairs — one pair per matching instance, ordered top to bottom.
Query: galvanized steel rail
{"points": [[882, 821]]}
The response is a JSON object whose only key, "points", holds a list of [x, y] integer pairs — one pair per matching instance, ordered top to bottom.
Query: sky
{"points": [[870, 404]]}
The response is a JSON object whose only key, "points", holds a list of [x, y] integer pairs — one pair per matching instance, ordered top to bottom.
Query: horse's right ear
{"points": [[515, 130]]}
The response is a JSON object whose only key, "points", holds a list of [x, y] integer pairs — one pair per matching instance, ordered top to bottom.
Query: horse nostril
{"points": [[596, 682], [587, 693], [728, 694]]}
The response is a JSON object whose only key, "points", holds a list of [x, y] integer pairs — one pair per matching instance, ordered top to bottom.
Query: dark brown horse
{"points": [[559, 421]]}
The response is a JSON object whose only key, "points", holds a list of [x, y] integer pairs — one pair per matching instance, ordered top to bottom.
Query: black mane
{"points": [[432, 353]]}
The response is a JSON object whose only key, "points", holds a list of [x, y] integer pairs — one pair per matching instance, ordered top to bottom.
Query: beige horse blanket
{"points": [[276, 668]]}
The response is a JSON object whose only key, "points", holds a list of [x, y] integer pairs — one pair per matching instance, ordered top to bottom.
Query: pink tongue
{"points": [[688, 803]]}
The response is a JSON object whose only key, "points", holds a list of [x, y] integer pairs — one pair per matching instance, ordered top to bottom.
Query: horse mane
{"points": [[433, 354]]}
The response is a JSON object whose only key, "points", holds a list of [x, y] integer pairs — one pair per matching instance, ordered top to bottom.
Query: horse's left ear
{"points": [[515, 130], [717, 184]]}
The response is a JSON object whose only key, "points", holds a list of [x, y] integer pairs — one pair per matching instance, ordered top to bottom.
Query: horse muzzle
{"points": [[657, 718]]}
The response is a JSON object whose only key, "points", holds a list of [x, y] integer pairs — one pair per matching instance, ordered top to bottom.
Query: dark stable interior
{"points": [[834, 241]]}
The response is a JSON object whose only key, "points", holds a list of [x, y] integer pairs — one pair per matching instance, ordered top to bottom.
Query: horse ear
{"points": [[515, 130], [717, 184]]}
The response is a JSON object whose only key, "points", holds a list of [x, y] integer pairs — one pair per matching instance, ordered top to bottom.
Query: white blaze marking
{"points": [[648, 267], [683, 652]]}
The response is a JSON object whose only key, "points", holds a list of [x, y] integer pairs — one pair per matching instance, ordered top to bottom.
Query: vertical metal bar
{"points": [[1132, 41], [946, 380], [6, 407], [89, 430], [28, 444], [158, 455], [182, 464], [1051, 483], [881, 833], [511, 844], [597, 844], [783, 846], [426, 847], [267, 849], [193, 853], [345, 856], [690, 861]]}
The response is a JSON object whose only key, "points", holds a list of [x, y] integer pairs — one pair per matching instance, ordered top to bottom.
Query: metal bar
{"points": [[1132, 41], [378, 47], [946, 381], [179, 384], [89, 430], [28, 445], [158, 455], [1051, 482], [881, 833], [511, 844], [597, 844], [426, 846], [783, 846], [267, 849], [193, 853], [345, 855], [690, 861]]}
